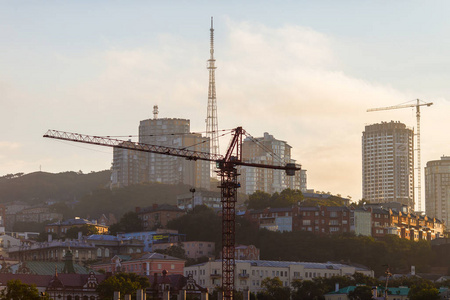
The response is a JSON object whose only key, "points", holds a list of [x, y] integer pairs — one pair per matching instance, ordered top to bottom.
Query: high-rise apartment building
{"points": [[270, 151], [387, 163], [127, 167], [132, 167], [437, 189]]}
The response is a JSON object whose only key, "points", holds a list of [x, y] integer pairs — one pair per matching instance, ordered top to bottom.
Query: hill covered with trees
{"points": [[38, 187]]}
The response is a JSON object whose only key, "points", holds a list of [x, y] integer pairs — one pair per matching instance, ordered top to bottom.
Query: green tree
{"points": [[287, 198], [258, 200], [129, 222], [199, 224], [86, 230], [125, 283], [273, 289], [16, 290], [308, 290], [423, 290], [362, 292]]}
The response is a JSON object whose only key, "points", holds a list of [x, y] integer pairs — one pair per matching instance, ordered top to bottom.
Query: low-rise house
{"points": [[208, 198], [158, 215], [322, 219], [61, 227], [159, 236], [84, 249], [193, 249], [244, 252], [145, 264], [249, 274], [60, 286]]}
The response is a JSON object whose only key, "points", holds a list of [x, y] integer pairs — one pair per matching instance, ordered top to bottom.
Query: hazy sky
{"points": [[303, 71]]}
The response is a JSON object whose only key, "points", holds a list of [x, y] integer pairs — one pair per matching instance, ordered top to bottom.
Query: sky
{"points": [[303, 71]]}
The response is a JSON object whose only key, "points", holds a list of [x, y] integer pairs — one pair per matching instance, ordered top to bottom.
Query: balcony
{"points": [[215, 275], [243, 275]]}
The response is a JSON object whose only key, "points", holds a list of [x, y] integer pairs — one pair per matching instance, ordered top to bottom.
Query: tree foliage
{"points": [[38, 187], [287, 198], [120, 200], [129, 222], [199, 224], [125, 283], [273, 289], [17, 290], [423, 290], [363, 292]]}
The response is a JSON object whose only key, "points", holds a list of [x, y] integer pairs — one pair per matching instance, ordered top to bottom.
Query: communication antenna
{"points": [[211, 119]]}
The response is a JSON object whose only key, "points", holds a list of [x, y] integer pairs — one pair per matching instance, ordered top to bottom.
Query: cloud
{"points": [[288, 81], [5, 145]]}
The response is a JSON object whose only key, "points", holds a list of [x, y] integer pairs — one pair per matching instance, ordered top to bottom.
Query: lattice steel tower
{"points": [[211, 119]]}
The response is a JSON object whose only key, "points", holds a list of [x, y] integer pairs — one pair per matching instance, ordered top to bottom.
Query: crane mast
{"points": [[419, 168], [227, 171]]}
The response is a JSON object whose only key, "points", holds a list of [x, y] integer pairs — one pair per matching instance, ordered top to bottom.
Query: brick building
{"points": [[158, 215], [145, 264]]}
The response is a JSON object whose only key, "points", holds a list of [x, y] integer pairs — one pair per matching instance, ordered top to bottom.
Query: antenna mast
{"points": [[211, 119]]}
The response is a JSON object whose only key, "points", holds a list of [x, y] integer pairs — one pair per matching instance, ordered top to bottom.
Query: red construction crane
{"points": [[228, 183]]}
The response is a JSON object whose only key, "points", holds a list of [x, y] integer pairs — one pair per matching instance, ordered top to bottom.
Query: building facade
{"points": [[270, 151], [387, 163], [133, 167], [437, 189], [189, 200], [158, 215], [61, 227], [159, 236], [193, 249], [85, 250], [145, 264], [249, 274]]}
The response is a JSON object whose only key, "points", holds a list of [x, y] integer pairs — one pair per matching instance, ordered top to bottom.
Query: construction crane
{"points": [[417, 106], [227, 170]]}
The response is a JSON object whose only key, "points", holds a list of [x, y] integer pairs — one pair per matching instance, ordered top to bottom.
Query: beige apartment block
{"points": [[437, 189], [249, 274]]}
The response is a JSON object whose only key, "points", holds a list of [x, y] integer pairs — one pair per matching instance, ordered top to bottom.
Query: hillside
{"points": [[38, 187], [121, 200]]}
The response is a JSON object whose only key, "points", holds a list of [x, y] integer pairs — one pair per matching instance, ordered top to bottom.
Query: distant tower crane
{"points": [[417, 106], [211, 118], [227, 170]]}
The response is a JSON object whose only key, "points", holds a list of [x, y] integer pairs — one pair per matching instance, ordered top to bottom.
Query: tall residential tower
{"points": [[270, 151], [387, 163], [132, 167], [437, 189]]}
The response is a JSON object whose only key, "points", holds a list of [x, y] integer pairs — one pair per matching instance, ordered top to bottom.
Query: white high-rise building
{"points": [[270, 151], [387, 163], [131, 167], [437, 189]]}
